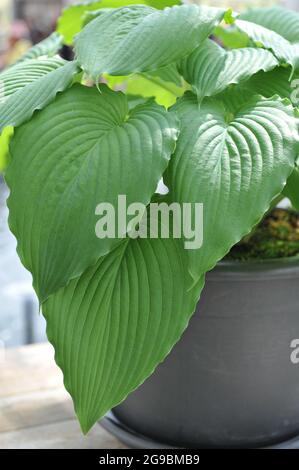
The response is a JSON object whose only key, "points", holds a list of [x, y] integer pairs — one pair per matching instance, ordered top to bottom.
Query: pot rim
{"points": [[276, 268]]}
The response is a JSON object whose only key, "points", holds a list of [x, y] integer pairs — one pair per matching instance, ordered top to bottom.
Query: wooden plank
{"points": [[29, 369], [35, 409], [65, 435]]}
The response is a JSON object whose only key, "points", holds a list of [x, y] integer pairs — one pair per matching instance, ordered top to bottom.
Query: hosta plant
{"points": [[200, 96]]}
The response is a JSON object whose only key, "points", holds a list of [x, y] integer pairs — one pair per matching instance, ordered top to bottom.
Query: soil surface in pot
{"points": [[277, 236]]}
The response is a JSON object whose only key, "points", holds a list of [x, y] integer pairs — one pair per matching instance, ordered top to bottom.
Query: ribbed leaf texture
{"points": [[74, 16], [282, 21], [139, 38], [285, 51], [210, 68], [275, 82], [31, 85], [234, 159], [62, 166], [113, 325]]}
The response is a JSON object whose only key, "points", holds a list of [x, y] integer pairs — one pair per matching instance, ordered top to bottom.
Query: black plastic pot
{"points": [[230, 381]]}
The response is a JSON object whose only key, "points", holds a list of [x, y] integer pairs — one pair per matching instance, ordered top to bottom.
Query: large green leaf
{"points": [[74, 16], [282, 21], [141, 39], [48, 47], [286, 52], [210, 68], [32, 85], [83, 149], [234, 160], [112, 326]]}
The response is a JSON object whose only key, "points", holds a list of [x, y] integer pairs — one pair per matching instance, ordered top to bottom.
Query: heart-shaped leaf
{"points": [[141, 39], [210, 68], [84, 149], [234, 159], [112, 326]]}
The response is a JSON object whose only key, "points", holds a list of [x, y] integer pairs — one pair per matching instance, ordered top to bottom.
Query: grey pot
{"points": [[230, 381]]}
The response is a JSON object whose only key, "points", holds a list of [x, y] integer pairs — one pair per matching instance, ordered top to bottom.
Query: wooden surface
{"points": [[35, 410]]}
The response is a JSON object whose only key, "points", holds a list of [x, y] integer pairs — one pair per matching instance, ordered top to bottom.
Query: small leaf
{"points": [[141, 39], [210, 68], [32, 85], [83, 149], [235, 160], [112, 326]]}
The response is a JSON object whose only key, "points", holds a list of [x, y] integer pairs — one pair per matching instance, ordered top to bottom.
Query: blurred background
{"points": [[23, 23]]}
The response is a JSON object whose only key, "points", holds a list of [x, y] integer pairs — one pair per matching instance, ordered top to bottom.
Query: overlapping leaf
{"points": [[71, 20], [282, 21], [141, 39], [286, 52], [210, 68], [20, 75], [275, 82], [162, 85], [30, 86], [83, 149], [234, 160], [112, 326]]}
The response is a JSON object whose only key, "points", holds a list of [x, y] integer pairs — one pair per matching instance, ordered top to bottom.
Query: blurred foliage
{"points": [[231, 37], [147, 86], [4, 147]]}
